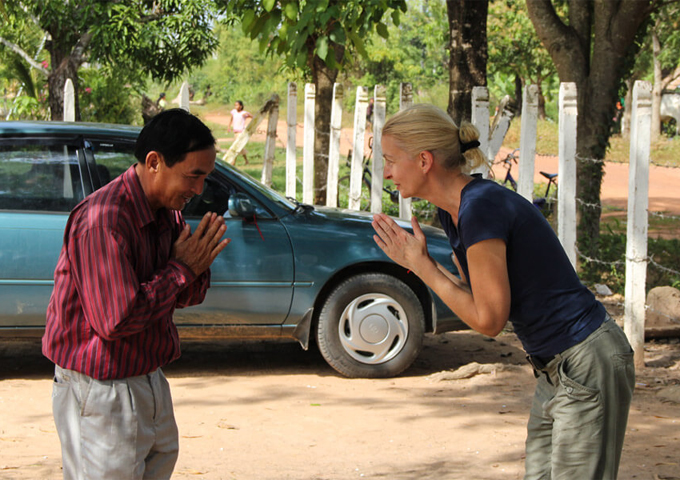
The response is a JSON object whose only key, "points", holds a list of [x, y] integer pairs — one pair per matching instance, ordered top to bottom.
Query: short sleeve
{"points": [[482, 220]]}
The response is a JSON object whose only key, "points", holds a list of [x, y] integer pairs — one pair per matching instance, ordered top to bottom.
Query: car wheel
{"points": [[371, 326]]}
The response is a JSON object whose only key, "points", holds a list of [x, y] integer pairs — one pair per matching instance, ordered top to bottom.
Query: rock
{"points": [[603, 290], [663, 312], [469, 371], [670, 394]]}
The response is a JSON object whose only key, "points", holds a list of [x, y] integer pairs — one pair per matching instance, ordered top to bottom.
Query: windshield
{"points": [[270, 193]]}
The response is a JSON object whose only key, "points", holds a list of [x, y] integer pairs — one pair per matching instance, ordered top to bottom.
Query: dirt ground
{"points": [[272, 411]]}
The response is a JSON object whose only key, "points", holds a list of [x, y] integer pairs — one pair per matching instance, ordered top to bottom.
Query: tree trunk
{"points": [[591, 51], [468, 54], [323, 78], [657, 88]]}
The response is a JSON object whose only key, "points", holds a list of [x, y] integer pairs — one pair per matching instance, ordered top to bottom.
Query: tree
{"points": [[136, 37], [318, 38], [665, 39], [592, 45], [514, 49], [468, 54]]}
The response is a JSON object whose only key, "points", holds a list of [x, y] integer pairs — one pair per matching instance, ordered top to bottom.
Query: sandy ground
{"points": [[273, 411]]}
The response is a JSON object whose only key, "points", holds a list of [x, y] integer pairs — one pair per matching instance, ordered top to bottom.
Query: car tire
{"points": [[371, 326]]}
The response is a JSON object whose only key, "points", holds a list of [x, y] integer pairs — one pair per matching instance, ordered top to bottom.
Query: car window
{"points": [[113, 157], [39, 177], [215, 198]]}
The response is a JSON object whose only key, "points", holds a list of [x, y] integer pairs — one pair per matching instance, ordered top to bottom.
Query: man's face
{"points": [[175, 186]]}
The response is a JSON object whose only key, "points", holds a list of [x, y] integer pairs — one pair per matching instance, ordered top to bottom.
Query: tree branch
{"points": [[19, 51]]}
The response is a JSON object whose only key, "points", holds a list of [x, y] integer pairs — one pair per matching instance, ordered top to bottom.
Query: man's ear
{"points": [[425, 160], [153, 161]]}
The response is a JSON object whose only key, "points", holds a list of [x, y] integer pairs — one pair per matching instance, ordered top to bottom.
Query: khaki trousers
{"points": [[580, 409], [115, 429]]}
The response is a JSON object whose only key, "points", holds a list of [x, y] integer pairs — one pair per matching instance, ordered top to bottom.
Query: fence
{"points": [[491, 139]]}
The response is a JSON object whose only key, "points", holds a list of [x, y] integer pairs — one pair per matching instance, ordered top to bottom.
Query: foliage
{"points": [[297, 30], [514, 47], [240, 71], [106, 99], [611, 267]]}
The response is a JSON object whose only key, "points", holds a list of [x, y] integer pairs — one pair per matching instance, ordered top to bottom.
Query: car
{"points": [[291, 272]]}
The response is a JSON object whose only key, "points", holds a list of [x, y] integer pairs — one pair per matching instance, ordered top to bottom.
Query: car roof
{"points": [[23, 128]]}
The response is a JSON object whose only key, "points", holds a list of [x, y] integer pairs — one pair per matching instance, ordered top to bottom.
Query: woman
{"points": [[513, 267]]}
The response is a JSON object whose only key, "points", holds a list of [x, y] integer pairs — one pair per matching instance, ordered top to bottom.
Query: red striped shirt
{"points": [[116, 287]]}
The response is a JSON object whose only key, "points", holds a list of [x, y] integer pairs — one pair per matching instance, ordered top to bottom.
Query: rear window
{"points": [[39, 177]]}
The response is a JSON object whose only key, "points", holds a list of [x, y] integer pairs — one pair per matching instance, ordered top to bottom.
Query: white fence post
{"points": [[184, 97], [69, 101], [405, 101], [480, 119], [499, 128], [270, 142], [527, 142], [334, 147], [308, 148], [291, 153], [377, 165], [357, 168], [566, 193], [636, 238]]}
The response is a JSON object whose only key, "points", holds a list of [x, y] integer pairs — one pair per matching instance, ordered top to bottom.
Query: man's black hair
{"points": [[173, 133]]}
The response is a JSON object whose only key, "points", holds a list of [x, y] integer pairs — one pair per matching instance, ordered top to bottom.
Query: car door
{"points": [[41, 180], [252, 279]]}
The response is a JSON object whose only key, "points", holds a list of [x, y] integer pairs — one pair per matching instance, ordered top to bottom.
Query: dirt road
{"points": [[274, 412]]}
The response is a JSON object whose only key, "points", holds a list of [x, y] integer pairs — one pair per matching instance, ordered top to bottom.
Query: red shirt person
{"points": [[127, 262]]}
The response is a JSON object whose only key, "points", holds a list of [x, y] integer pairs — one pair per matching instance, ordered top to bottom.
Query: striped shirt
{"points": [[116, 287]]}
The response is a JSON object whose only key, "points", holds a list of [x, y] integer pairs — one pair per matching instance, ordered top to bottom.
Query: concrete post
{"points": [[184, 97], [69, 101], [405, 101], [480, 119], [499, 128], [527, 142], [270, 143], [308, 146], [334, 147], [291, 152], [377, 163], [357, 168], [566, 193], [638, 201]]}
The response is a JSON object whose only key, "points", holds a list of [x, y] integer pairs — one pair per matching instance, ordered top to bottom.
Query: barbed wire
{"points": [[663, 215]]}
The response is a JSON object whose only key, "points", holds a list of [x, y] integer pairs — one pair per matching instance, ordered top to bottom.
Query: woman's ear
{"points": [[426, 160]]}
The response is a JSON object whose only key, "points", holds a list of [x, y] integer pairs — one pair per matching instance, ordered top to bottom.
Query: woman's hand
{"points": [[408, 250]]}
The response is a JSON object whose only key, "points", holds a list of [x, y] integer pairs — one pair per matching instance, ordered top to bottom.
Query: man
{"points": [[127, 262]]}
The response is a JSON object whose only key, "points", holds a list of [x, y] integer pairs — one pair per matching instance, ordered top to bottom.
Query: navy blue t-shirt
{"points": [[550, 310]]}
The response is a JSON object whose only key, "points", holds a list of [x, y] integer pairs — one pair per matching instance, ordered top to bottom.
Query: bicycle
{"points": [[344, 181], [544, 203]]}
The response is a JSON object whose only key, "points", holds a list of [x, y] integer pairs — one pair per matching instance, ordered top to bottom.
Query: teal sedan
{"points": [[291, 272]]}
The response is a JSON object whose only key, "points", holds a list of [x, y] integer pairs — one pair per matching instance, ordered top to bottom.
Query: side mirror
{"points": [[241, 206]]}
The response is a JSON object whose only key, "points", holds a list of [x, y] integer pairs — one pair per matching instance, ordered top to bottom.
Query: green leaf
{"points": [[268, 4], [290, 11], [382, 30], [322, 47]]}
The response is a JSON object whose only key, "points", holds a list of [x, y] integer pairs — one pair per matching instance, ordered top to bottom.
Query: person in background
{"points": [[161, 103], [237, 123], [127, 262], [513, 268]]}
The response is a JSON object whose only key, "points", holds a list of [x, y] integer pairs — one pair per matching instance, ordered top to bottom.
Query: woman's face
{"points": [[400, 167]]}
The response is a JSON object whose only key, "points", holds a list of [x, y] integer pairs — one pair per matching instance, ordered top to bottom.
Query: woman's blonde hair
{"points": [[424, 127]]}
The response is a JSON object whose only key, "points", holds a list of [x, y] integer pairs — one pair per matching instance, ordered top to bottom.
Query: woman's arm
{"points": [[485, 307]]}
